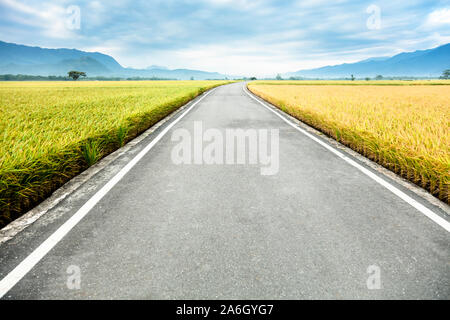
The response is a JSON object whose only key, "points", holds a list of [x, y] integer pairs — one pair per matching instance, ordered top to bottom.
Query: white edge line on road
{"points": [[427, 212], [30, 261]]}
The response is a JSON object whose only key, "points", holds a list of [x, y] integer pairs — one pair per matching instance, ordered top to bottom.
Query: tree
{"points": [[76, 74], [446, 74], [279, 77], [379, 77], [192, 78], [253, 78], [352, 78], [367, 78]]}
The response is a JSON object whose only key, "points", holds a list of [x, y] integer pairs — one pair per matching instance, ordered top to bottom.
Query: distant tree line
{"points": [[445, 75], [24, 77], [148, 78]]}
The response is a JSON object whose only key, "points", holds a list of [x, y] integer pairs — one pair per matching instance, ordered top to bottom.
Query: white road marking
{"points": [[430, 214], [29, 262]]}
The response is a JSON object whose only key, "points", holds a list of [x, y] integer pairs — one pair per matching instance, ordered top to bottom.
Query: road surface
{"points": [[317, 228]]}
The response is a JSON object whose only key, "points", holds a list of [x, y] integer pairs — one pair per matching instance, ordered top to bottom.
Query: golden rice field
{"points": [[404, 128], [51, 131]]}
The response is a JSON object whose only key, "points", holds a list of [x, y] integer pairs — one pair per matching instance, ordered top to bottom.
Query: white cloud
{"points": [[439, 17], [48, 18]]}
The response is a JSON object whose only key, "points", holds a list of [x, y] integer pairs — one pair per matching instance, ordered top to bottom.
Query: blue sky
{"points": [[240, 37]]}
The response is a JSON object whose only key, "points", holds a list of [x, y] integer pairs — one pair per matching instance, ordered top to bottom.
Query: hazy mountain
{"points": [[11, 53], [21, 59], [421, 63], [156, 67], [59, 68], [183, 74]]}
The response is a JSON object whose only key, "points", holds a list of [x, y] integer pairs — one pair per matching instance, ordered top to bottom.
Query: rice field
{"points": [[405, 128], [51, 131]]}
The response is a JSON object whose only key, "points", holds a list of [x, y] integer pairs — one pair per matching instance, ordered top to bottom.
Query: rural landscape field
{"points": [[402, 125], [51, 131], [225, 154]]}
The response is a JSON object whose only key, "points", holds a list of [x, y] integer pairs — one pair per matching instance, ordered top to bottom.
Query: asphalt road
{"points": [[316, 228]]}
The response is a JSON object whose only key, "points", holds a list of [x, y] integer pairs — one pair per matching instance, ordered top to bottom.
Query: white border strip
{"points": [[430, 214], [29, 262]]}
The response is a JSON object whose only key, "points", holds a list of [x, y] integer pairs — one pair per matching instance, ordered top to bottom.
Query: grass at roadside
{"points": [[403, 128], [51, 131]]}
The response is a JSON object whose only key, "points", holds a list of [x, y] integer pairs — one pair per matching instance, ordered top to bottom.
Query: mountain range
{"points": [[22, 59], [421, 63]]}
